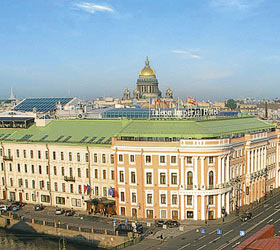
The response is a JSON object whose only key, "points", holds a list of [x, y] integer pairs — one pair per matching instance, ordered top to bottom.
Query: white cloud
{"points": [[92, 8], [187, 54]]}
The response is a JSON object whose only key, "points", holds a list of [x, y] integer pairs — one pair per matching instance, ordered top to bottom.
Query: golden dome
{"points": [[147, 70]]}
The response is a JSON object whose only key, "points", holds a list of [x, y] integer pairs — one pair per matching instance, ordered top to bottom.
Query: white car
{"points": [[3, 207]]}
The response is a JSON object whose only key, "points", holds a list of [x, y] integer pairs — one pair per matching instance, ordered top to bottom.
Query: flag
{"points": [[151, 100], [192, 101], [158, 103], [165, 103], [85, 188], [88, 189]]}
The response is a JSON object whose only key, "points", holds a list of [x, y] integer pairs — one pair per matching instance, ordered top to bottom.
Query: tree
{"points": [[231, 104]]}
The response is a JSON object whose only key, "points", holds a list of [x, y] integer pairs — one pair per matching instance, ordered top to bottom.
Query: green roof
{"points": [[99, 132]]}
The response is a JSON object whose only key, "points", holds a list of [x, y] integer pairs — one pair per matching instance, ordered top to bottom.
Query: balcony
{"points": [[7, 158], [69, 178], [209, 190]]}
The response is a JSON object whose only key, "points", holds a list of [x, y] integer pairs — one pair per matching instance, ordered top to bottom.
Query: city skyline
{"points": [[212, 49]]}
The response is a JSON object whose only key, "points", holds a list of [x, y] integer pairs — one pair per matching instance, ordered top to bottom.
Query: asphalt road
{"points": [[268, 213]]}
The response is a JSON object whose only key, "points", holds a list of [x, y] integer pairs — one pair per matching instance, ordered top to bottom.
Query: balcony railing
{"points": [[8, 158], [69, 178]]}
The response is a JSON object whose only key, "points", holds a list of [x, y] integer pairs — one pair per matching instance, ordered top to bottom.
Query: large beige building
{"points": [[152, 169]]}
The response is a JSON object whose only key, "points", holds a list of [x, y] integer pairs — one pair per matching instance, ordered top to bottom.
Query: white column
{"points": [[264, 157], [259, 159], [252, 161], [256, 162], [248, 163], [227, 169], [223, 170], [182, 171], [219, 171], [202, 172], [195, 173], [223, 200], [227, 202], [219, 206], [182, 207], [195, 207], [202, 207]]}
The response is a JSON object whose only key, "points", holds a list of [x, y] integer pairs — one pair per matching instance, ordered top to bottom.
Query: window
{"points": [[1, 152], [9, 152], [17, 153], [24, 153], [31, 154], [39, 154], [47, 155], [54, 155], [61, 156], [70, 156], [78, 157], [86, 157], [95, 158], [103, 158], [120, 158], [132, 158], [112, 159], [148, 159], [162, 159], [173, 159], [189, 160], [211, 160], [2, 166], [11, 167], [18, 167], [25, 168], [32, 169], [39, 169], [47, 170], [54, 170], [62, 171], [71, 172], [79, 172], [87, 173], [96, 173], [104, 174], [112, 175], [121, 176], [132, 177], [149, 177], [162, 179], [174, 179], [190, 179], [211, 179], [3, 181], [11, 182], [20, 183], [26, 183], [33, 183], [41, 184], [48, 185], [55, 186], [63, 187], [71, 188], [80, 189], [96, 190], [104, 191], [26, 196], [122, 196], [33, 197], [133, 197], [45, 198], [149, 198], [163, 199], [174, 199], [60, 200], [189, 200], [211, 200], [76, 202], [163, 213], [190, 214]]}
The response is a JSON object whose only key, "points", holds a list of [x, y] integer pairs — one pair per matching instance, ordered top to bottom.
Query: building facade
{"points": [[195, 170]]}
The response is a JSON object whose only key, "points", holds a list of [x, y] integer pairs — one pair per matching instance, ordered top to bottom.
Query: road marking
{"points": [[276, 204], [268, 208], [259, 214], [276, 220], [270, 221], [213, 232], [228, 232], [202, 237], [214, 240], [236, 244], [184, 246], [201, 247]]}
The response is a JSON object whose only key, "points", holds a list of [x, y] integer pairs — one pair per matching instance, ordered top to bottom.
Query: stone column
{"points": [[259, 159], [252, 161], [256, 162], [248, 163], [227, 169], [223, 170], [182, 171], [219, 171], [202, 172], [195, 173], [223, 200], [227, 202], [182, 206], [219, 206], [195, 207], [202, 207]]}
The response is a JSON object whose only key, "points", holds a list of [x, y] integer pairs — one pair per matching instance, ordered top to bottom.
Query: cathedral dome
{"points": [[147, 70]]}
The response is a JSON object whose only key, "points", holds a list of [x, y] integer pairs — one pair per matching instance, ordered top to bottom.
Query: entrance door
{"points": [[5, 195], [20, 197], [88, 206], [134, 212], [150, 214], [174, 215], [211, 215]]}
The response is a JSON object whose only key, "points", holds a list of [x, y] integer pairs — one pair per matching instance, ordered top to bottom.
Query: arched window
{"points": [[190, 179], [211, 179]]}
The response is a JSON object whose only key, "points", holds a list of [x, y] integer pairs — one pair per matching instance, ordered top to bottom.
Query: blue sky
{"points": [[206, 49]]}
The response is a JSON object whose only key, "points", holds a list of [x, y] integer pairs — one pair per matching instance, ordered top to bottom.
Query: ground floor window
{"points": [[12, 196], [26, 196], [33, 197], [45, 198], [211, 199], [60, 200], [76, 202], [123, 211], [134, 212], [150, 213], [163, 213], [190, 214], [175, 215]]}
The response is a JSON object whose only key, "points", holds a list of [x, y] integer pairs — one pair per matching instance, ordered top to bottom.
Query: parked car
{"points": [[18, 204], [38, 207], [4, 208], [15, 208], [59, 211], [69, 213], [246, 216], [159, 223], [172, 223], [127, 228]]}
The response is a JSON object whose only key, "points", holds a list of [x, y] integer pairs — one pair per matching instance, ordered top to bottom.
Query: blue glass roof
{"points": [[41, 104]]}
